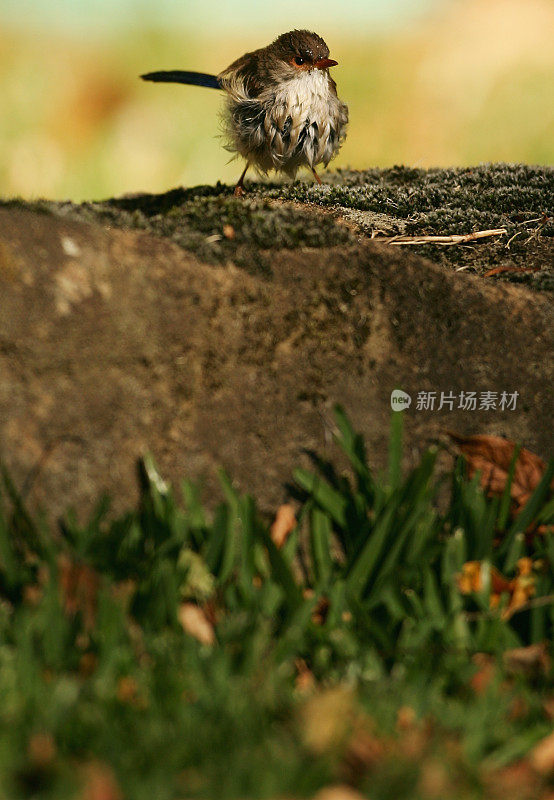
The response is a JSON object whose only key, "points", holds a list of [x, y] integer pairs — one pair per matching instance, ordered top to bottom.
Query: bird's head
{"points": [[299, 51]]}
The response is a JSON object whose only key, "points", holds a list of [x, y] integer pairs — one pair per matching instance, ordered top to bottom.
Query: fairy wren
{"points": [[282, 109]]}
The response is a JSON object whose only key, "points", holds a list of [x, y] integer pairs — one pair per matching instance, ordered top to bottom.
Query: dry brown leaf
{"points": [[228, 231], [492, 455], [283, 525], [471, 579], [79, 585], [523, 587], [520, 589], [32, 595], [319, 614], [196, 623], [531, 660], [87, 664], [486, 671], [305, 680], [127, 690], [548, 707], [519, 709], [326, 718], [406, 718], [415, 741], [42, 749], [363, 752], [542, 756], [435, 780], [516, 780], [100, 783], [338, 792]]}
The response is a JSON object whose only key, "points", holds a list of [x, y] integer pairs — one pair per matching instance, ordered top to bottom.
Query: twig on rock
{"points": [[446, 240]]}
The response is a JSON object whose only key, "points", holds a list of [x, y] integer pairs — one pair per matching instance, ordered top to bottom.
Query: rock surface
{"points": [[222, 332]]}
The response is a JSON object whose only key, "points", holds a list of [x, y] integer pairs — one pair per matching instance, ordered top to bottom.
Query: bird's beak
{"points": [[325, 63]]}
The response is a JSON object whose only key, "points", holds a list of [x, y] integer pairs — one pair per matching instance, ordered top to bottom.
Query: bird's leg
{"points": [[316, 176], [239, 188]]}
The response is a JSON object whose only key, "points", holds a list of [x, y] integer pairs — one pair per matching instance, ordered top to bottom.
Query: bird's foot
{"points": [[316, 176], [239, 188]]}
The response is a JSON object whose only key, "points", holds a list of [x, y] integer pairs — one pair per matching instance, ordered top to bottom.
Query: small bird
{"points": [[282, 110]]}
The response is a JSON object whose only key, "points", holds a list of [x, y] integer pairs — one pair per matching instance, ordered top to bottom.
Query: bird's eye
{"points": [[298, 60]]}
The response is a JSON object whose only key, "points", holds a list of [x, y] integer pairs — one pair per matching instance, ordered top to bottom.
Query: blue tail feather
{"points": [[178, 76]]}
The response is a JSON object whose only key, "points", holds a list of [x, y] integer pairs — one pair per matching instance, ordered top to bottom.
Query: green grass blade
{"points": [[330, 500], [535, 502], [504, 508], [320, 540], [360, 571], [281, 572]]}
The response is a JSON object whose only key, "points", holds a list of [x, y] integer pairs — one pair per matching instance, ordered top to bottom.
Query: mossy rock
{"points": [[210, 222], [217, 332]]}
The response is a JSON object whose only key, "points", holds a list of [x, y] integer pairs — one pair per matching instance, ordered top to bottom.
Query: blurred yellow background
{"points": [[455, 82]]}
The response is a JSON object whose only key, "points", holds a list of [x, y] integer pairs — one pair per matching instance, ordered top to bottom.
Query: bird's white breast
{"points": [[308, 95], [300, 123], [306, 124]]}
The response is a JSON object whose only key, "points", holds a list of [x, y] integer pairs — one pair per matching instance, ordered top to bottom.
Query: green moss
{"points": [[516, 197], [210, 222], [215, 226]]}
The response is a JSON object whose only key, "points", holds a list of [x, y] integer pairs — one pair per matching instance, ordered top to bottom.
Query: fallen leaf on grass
{"points": [[492, 456], [283, 525], [475, 574], [79, 585], [32, 595], [321, 610], [196, 623], [531, 661], [87, 664], [486, 671], [304, 681], [128, 692], [548, 707], [519, 709], [326, 718], [406, 718], [414, 742], [42, 749], [363, 752], [542, 756], [435, 780], [517, 780], [99, 783], [338, 792]]}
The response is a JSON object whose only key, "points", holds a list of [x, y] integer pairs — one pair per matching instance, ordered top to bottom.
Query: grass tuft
{"points": [[174, 653]]}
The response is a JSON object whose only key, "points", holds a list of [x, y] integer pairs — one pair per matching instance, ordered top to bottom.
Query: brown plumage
{"points": [[282, 109]]}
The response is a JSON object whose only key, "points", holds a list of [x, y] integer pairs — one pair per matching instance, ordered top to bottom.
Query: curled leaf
{"points": [[492, 456], [283, 525], [475, 574], [79, 586], [196, 623], [542, 756]]}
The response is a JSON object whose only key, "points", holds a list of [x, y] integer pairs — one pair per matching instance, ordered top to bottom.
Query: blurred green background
{"points": [[432, 82]]}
